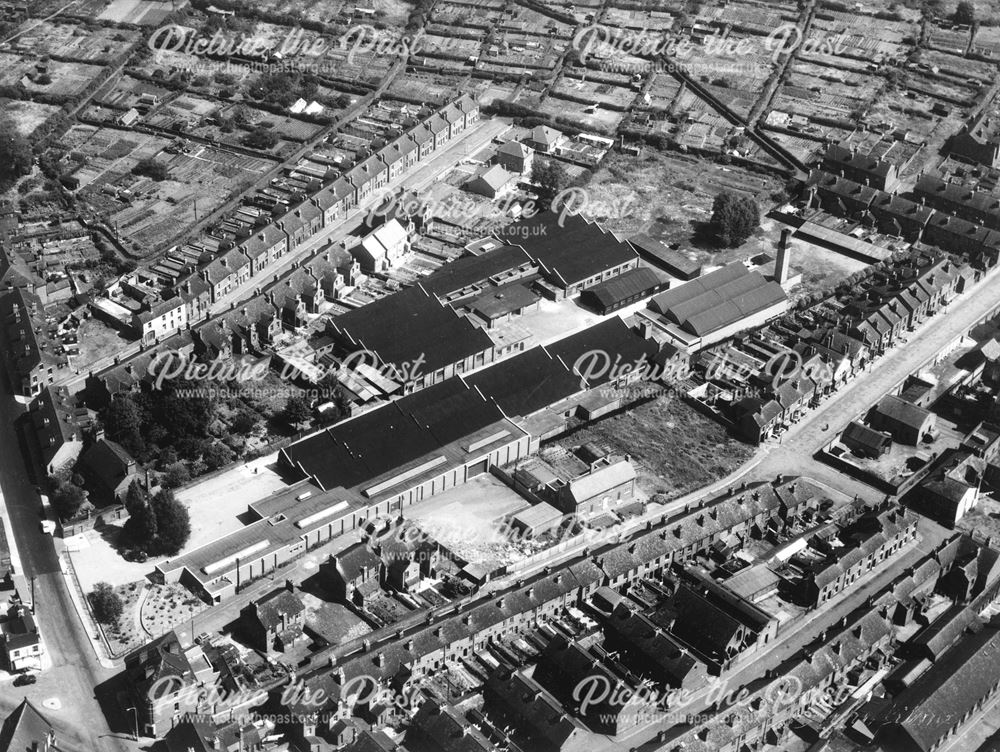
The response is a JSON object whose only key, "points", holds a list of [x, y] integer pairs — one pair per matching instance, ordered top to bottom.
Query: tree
{"points": [[965, 13], [260, 138], [15, 152], [151, 169], [550, 179], [734, 218], [297, 410], [123, 421], [244, 422], [217, 455], [175, 475], [135, 497], [67, 500], [173, 523], [141, 527], [106, 603]]}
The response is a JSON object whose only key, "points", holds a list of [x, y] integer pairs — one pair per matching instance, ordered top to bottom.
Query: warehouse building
{"points": [[572, 252], [632, 286], [717, 305], [440, 437]]}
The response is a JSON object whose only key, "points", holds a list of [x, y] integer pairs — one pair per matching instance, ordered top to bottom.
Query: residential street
{"points": [[425, 173], [801, 441], [76, 671]]}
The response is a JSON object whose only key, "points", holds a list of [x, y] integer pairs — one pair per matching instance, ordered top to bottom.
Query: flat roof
{"points": [[500, 301]]}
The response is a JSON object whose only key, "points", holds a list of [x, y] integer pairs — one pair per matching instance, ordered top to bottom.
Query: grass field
{"points": [[675, 449]]}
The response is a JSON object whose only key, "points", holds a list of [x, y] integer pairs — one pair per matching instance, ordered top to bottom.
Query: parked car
{"points": [[48, 527], [135, 555], [23, 680]]}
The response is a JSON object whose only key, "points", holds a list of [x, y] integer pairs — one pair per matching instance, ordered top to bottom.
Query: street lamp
{"points": [[135, 717]]}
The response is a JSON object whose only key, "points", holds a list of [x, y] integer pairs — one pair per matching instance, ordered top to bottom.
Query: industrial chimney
{"points": [[781, 265]]}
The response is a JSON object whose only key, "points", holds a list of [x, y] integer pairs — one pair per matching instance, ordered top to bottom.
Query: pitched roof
{"points": [[543, 134], [495, 178], [569, 249], [467, 271], [638, 281], [410, 327], [526, 383], [902, 411], [858, 434], [602, 480], [274, 606], [953, 686], [24, 729]]}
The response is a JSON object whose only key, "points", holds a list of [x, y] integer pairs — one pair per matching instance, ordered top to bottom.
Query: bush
{"points": [[217, 455], [106, 603]]}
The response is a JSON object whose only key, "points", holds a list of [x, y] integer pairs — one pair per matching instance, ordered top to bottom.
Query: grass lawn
{"points": [[675, 448]]}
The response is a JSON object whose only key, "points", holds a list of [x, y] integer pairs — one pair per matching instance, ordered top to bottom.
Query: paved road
{"points": [[802, 440], [75, 670]]}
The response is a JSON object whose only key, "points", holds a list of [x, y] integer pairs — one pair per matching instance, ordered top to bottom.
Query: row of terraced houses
{"points": [[253, 255]]}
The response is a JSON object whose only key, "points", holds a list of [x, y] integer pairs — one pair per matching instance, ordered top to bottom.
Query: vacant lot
{"points": [[64, 79], [27, 116], [670, 197], [675, 449]]}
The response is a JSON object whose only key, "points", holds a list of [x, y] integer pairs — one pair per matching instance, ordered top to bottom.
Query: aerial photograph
{"points": [[499, 376]]}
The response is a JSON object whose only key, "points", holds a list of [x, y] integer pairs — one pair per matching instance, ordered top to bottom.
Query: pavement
{"points": [[794, 454], [70, 688]]}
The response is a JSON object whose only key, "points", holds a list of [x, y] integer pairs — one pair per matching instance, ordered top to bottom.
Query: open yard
{"points": [[821, 268], [675, 449], [467, 521]]}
